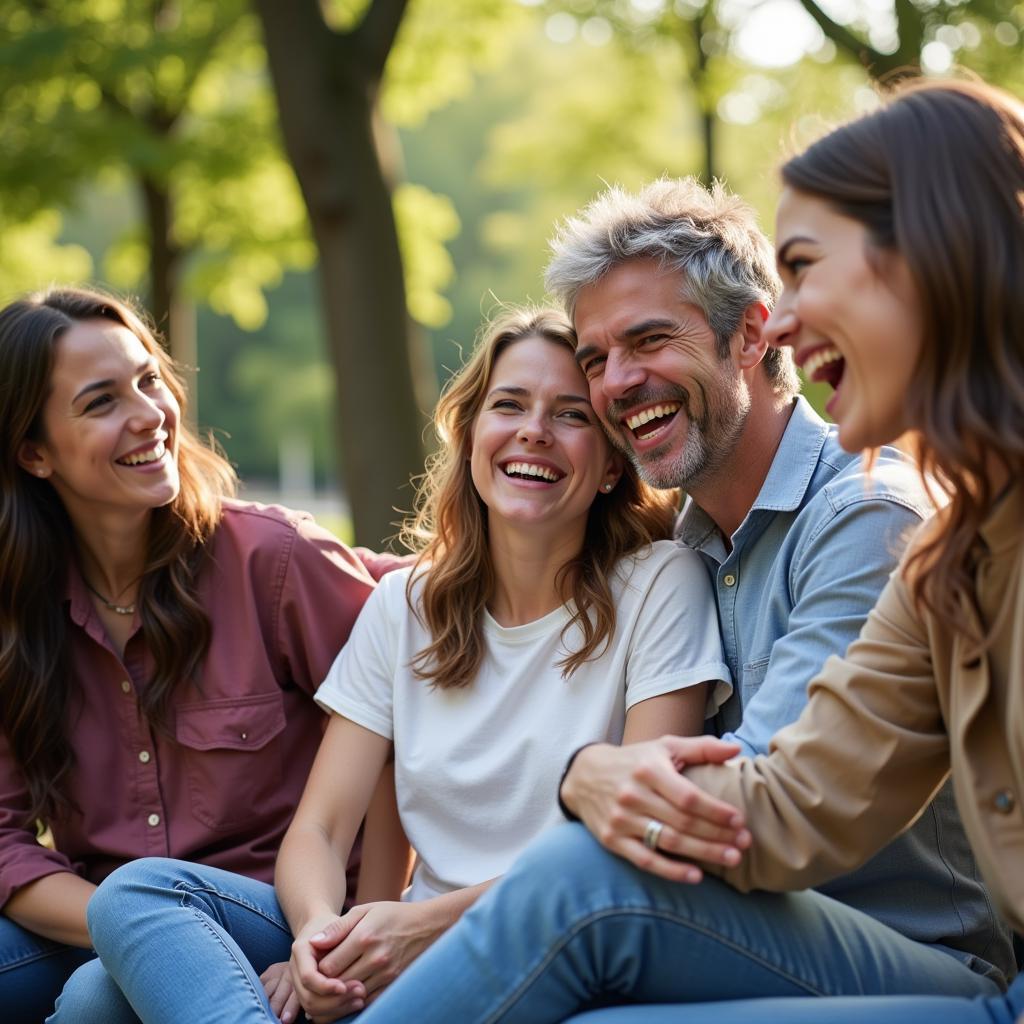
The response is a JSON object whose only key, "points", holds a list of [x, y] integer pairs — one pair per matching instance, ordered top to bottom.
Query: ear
{"points": [[753, 342], [32, 459], [612, 473]]}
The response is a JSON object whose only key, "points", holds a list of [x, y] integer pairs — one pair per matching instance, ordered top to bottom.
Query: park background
{"points": [[320, 201]]}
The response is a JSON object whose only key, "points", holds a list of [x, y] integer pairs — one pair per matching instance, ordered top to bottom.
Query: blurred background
{"points": [[318, 202]]}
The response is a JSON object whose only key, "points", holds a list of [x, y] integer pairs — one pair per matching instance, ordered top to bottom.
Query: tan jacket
{"points": [[881, 731]]}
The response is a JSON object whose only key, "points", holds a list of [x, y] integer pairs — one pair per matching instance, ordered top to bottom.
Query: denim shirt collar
{"points": [[784, 488]]}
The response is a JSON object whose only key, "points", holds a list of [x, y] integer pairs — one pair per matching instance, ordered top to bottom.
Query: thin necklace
{"points": [[120, 609]]}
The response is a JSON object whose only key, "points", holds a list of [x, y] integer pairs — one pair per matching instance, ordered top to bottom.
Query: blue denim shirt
{"points": [[806, 566]]}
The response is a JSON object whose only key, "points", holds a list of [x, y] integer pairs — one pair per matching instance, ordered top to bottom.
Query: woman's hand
{"points": [[617, 791], [374, 942], [277, 983], [324, 997]]}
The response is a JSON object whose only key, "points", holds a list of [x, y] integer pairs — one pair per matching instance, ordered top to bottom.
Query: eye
{"points": [[794, 265], [650, 339], [593, 366], [150, 379], [98, 402], [506, 405], [575, 414]]}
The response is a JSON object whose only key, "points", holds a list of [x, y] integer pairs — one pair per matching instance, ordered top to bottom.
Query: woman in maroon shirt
{"points": [[159, 642]]}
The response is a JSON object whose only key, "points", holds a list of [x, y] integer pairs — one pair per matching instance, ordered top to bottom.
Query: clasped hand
{"points": [[617, 791], [338, 964]]}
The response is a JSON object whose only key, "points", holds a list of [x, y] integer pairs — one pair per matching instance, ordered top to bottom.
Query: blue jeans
{"points": [[572, 927], [182, 942], [32, 972], [1001, 1009]]}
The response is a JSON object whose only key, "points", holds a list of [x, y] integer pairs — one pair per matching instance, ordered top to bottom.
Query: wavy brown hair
{"points": [[937, 174], [449, 529], [37, 543]]}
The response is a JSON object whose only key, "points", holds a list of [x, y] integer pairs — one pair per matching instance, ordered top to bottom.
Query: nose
{"points": [[781, 327], [621, 374], [147, 414], [534, 429]]}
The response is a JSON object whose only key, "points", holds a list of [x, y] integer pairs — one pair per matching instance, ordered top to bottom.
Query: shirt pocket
{"points": [[753, 676], [233, 757]]}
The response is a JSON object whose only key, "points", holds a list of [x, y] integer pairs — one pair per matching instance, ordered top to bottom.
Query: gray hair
{"points": [[709, 235]]}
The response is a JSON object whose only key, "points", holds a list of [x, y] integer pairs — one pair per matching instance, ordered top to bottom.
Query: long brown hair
{"points": [[938, 175], [449, 529], [37, 544]]}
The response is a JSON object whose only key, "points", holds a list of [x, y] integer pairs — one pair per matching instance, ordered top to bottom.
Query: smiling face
{"points": [[852, 316], [656, 380], [109, 425], [538, 456]]}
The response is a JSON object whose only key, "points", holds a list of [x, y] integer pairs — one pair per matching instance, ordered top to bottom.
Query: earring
{"points": [[608, 487]]}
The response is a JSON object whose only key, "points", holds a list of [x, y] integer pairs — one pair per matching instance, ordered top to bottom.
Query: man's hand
{"points": [[617, 791], [374, 942], [284, 1000]]}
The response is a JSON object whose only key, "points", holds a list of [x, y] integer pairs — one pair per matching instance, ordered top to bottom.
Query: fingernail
{"points": [[731, 856], [693, 876], [319, 937]]}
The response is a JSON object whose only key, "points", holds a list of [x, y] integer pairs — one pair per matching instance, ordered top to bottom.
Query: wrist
{"points": [[567, 786], [314, 918]]}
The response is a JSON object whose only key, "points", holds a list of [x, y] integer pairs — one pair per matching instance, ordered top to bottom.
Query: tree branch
{"points": [[375, 34], [842, 36]]}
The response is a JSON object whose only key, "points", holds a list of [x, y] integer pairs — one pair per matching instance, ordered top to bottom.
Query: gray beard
{"points": [[710, 439]]}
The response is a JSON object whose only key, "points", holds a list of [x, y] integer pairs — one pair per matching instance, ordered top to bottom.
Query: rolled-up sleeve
{"points": [[865, 757], [22, 859]]}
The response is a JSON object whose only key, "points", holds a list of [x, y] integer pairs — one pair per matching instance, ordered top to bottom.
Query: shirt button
{"points": [[729, 580], [126, 687], [244, 735], [144, 756], [1004, 801], [153, 820]]}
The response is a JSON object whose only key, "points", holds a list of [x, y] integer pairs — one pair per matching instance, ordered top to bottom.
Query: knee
{"points": [[563, 856], [130, 890], [86, 997]]}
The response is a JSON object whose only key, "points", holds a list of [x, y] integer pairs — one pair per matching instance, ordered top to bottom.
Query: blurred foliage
{"points": [[170, 93], [511, 115]]}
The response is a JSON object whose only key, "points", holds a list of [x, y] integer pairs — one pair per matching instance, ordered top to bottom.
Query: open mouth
{"points": [[825, 365], [652, 420], [142, 458], [532, 471]]}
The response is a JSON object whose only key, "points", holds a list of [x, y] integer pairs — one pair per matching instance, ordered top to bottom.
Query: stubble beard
{"points": [[711, 438]]}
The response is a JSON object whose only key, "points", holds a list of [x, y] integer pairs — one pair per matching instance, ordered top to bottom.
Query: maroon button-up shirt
{"points": [[221, 787]]}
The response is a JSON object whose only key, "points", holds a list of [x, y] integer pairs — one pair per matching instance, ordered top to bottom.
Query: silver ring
{"points": [[652, 833]]}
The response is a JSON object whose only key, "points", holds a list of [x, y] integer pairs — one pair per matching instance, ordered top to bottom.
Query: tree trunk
{"points": [[326, 88], [173, 315]]}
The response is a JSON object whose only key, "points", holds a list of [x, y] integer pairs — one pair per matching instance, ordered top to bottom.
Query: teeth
{"points": [[819, 359], [653, 413], [142, 457], [530, 469]]}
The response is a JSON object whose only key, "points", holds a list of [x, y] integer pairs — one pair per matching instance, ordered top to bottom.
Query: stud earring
{"points": [[608, 487]]}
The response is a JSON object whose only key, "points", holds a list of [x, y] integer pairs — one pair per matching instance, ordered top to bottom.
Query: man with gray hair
{"points": [[669, 290]]}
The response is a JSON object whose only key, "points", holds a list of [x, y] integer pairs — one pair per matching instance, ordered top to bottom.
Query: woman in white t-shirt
{"points": [[547, 609]]}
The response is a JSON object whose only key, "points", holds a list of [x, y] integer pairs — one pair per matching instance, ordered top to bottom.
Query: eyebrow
{"points": [[788, 244], [98, 385], [523, 392]]}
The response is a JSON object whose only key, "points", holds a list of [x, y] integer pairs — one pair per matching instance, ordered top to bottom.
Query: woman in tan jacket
{"points": [[901, 247]]}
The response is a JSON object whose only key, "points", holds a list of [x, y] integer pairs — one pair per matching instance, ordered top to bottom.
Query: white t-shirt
{"points": [[476, 768]]}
